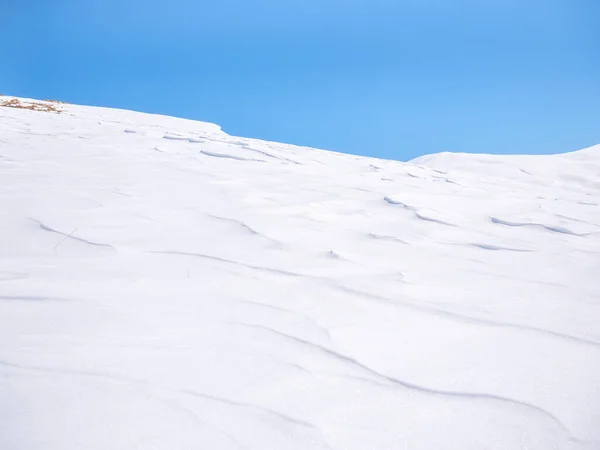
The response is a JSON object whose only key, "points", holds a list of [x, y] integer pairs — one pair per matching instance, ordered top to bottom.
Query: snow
{"points": [[164, 285]]}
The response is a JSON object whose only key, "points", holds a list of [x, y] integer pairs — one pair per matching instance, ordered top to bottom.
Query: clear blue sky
{"points": [[389, 78]]}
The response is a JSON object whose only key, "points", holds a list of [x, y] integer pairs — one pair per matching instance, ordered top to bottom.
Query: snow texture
{"points": [[166, 286]]}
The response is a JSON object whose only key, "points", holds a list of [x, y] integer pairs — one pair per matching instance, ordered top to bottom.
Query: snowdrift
{"points": [[166, 286]]}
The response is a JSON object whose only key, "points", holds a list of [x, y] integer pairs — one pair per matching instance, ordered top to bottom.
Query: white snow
{"points": [[166, 286]]}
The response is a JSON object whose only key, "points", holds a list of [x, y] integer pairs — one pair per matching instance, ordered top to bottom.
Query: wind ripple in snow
{"points": [[228, 156], [392, 201], [423, 214], [432, 216], [246, 227], [554, 229], [71, 236], [386, 238], [497, 247], [352, 362]]}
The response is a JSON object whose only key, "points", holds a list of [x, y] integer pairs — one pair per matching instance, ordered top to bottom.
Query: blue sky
{"points": [[387, 78]]}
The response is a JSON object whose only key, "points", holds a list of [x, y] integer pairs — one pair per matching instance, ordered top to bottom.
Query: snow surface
{"points": [[164, 285]]}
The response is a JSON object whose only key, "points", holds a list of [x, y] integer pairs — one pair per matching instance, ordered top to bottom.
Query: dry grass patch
{"points": [[44, 106]]}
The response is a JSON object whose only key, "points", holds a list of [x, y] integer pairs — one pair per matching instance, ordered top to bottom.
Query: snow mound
{"points": [[574, 171], [166, 285]]}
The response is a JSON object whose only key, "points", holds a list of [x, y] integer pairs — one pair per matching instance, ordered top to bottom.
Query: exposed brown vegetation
{"points": [[45, 106]]}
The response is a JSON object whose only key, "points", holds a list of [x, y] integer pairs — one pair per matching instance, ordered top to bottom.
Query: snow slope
{"points": [[166, 286]]}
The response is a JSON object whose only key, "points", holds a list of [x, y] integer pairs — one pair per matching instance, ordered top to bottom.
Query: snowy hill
{"points": [[166, 286]]}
